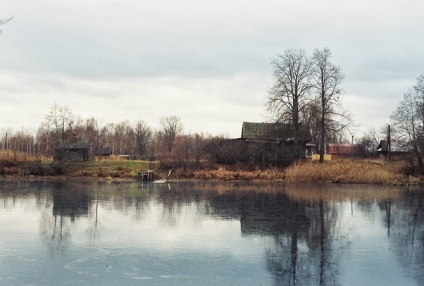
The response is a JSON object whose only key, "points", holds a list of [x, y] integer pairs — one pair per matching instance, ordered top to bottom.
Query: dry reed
{"points": [[21, 156], [346, 171], [229, 175]]}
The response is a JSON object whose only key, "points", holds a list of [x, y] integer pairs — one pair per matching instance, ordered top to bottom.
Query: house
{"points": [[266, 143], [76, 150]]}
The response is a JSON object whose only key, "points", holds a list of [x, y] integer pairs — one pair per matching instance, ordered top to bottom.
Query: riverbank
{"points": [[340, 171]]}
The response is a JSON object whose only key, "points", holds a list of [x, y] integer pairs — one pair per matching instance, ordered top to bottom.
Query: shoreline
{"points": [[370, 172], [65, 178]]}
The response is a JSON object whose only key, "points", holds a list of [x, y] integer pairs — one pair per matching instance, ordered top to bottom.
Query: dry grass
{"points": [[21, 156], [22, 164], [107, 168], [342, 171], [347, 171], [228, 175], [359, 192]]}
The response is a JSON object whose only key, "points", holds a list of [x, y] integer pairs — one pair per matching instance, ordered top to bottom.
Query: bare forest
{"points": [[130, 140]]}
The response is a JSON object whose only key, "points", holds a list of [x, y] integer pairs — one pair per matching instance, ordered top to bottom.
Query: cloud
{"points": [[205, 61], [209, 105]]}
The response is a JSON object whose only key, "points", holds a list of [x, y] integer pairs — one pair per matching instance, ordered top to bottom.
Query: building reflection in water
{"points": [[308, 239]]}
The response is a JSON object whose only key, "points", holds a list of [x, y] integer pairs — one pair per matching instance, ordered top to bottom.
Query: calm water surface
{"points": [[73, 233]]}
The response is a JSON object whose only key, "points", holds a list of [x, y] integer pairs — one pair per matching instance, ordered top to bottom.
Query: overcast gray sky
{"points": [[207, 62]]}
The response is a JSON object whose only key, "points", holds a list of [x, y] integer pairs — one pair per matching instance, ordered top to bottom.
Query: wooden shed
{"points": [[266, 143], [75, 150]]}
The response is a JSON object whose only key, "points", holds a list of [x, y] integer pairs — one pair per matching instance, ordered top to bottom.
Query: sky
{"points": [[207, 62]]}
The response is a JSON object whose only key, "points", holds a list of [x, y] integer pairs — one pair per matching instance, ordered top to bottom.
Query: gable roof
{"points": [[271, 131], [73, 144]]}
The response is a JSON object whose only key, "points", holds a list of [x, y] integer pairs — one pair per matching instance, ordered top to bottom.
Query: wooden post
{"points": [[388, 145], [7, 148]]}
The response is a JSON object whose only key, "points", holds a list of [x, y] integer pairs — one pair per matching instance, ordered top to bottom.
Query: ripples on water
{"points": [[69, 233]]}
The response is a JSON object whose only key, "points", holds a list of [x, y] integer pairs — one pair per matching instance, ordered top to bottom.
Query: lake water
{"points": [[130, 233]]}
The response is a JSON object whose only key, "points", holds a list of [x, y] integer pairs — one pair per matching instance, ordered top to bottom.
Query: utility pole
{"points": [[388, 146]]}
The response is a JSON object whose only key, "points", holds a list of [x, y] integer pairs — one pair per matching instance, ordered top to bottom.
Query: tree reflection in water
{"points": [[69, 203], [405, 224], [303, 233], [308, 240]]}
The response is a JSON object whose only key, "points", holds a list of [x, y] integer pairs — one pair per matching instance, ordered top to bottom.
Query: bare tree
{"points": [[327, 78], [290, 94], [57, 122], [408, 122], [171, 128], [93, 132], [143, 137], [124, 138], [369, 142], [198, 147], [183, 149]]}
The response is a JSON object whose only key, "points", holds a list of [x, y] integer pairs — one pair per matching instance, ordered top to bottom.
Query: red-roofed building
{"points": [[338, 151]]}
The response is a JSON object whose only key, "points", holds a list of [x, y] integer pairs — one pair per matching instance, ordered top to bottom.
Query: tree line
{"points": [[136, 139]]}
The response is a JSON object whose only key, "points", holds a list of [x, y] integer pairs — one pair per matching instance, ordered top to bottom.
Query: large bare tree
{"points": [[327, 79], [290, 94], [58, 122], [408, 122], [171, 127]]}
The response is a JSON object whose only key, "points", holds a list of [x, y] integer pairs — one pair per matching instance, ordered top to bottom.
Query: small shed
{"points": [[75, 150]]}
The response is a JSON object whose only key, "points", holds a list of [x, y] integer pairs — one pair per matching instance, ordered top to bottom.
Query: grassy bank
{"points": [[21, 165], [108, 168], [343, 171], [349, 171], [224, 174]]}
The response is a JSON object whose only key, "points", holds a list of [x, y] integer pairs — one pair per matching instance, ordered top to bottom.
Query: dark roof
{"points": [[271, 131], [74, 144], [382, 147], [103, 151]]}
